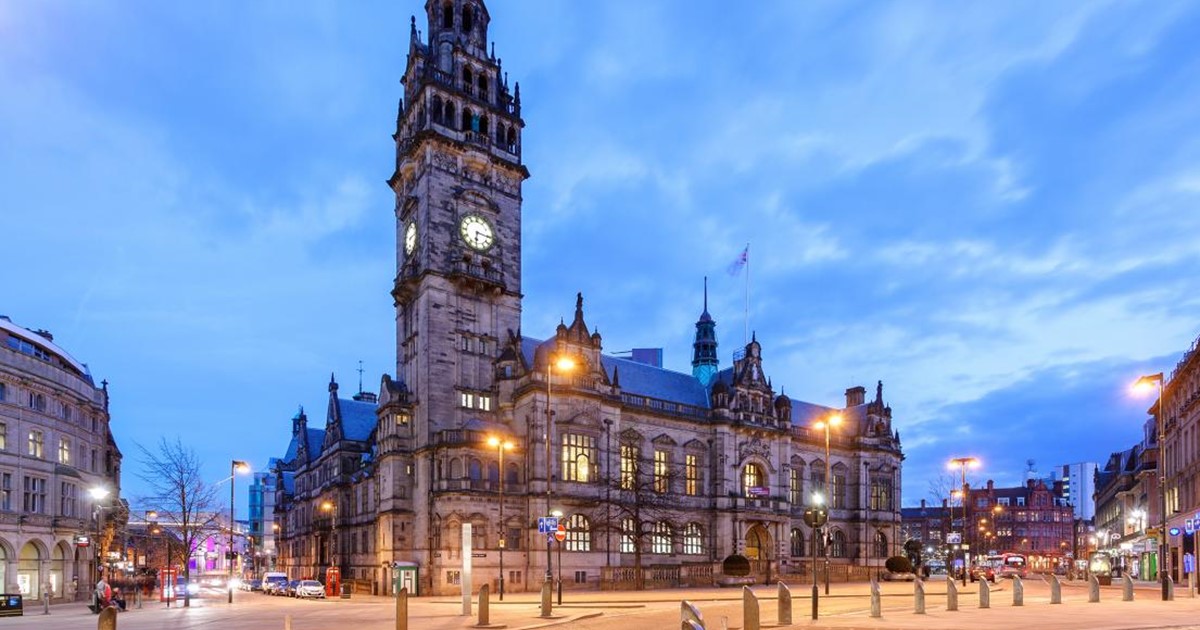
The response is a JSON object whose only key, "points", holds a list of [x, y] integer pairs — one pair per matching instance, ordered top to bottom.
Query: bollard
{"points": [[1192, 584], [1127, 589], [1170, 589], [1055, 590], [1094, 590], [1018, 591], [484, 592], [547, 592], [137, 594], [951, 594], [985, 594], [919, 596], [816, 598], [45, 603], [876, 604], [401, 609], [784, 612], [689, 614], [108, 619], [750, 619], [287, 622], [688, 624]]}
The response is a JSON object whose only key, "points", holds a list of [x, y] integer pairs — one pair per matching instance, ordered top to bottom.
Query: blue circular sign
{"points": [[1174, 531]]}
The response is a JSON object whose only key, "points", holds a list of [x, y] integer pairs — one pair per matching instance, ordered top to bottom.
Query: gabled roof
{"points": [[358, 419], [315, 438], [289, 481]]}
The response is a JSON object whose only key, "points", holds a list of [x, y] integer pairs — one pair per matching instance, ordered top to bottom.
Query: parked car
{"points": [[983, 572], [271, 580], [310, 588], [290, 591]]}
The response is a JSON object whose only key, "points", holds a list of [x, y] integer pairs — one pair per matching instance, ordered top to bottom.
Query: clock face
{"points": [[476, 232], [410, 238]]}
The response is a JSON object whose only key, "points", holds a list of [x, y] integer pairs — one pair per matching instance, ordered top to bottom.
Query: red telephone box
{"points": [[333, 581], [166, 587]]}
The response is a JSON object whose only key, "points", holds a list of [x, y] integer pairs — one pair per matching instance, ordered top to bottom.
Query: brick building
{"points": [[1034, 519]]}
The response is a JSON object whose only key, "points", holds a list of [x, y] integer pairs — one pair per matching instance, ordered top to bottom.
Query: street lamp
{"points": [[564, 364], [1147, 384], [832, 421], [501, 446], [963, 463], [235, 467], [98, 493], [331, 507], [164, 576]]}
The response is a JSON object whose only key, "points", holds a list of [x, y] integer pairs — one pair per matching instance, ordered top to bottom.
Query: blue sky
{"points": [[992, 207]]}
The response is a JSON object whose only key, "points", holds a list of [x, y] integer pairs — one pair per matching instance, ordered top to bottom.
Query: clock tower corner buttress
{"points": [[457, 182]]}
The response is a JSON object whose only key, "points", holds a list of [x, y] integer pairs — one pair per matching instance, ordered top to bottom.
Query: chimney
{"points": [[855, 396], [991, 484], [945, 503], [922, 504]]}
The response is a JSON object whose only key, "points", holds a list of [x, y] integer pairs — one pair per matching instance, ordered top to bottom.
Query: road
{"points": [[847, 607]]}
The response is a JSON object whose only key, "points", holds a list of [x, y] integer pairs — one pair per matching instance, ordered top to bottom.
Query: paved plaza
{"points": [[847, 606]]}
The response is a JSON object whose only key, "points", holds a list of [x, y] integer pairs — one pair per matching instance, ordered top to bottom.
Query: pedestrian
{"points": [[102, 594]]}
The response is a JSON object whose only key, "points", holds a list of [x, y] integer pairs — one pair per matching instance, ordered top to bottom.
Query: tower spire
{"points": [[704, 348]]}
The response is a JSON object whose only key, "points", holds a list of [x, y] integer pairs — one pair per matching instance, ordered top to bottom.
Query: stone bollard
{"points": [[1192, 584], [1127, 589], [1170, 589], [1055, 590], [1094, 590], [547, 591], [1018, 591], [137, 594], [951, 594], [985, 594], [919, 596], [45, 603], [876, 603], [401, 609], [784, 612], [484, 613], [689, 614], [108, 619], [750, 620], [287, 622], [688, 624]]}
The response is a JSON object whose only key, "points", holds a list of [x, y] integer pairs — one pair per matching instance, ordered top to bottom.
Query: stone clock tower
{"points": [[458, 218]]}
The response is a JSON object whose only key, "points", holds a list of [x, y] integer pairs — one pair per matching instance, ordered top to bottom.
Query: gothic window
{"points": [[447, 15], [468, 18], [468, 80], [483, 87], [437, 109], [448, 119], [468, 119], [483, 125], [512, 136], [578, 455], [629, 461], [475, 472], [661, 473], [512, 474], [691, 475], [816, 477], [754, 481], [795, 486], [838, 488], [881, 493], [579, 533], [627, 535], [693, 539], [660, 542], [797, 542], [837, 544], [881, 544]]}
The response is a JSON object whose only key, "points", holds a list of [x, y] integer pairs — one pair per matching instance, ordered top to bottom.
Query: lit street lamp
{"points": [[564, 364], [1145, 384], [832, 421], [501, 446], [963, 463], [235, 467], [98, 493]]}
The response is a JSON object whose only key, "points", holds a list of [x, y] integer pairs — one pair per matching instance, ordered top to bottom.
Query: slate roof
{"points": [[358, 419], [316, 437], [289, 481]]}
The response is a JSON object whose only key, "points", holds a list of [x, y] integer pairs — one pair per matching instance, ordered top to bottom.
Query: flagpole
{"points": [[746, 318]]}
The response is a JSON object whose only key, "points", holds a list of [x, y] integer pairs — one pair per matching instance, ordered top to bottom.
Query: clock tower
{"points": [[457, 182]]}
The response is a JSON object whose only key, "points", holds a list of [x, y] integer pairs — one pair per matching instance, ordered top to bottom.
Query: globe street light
{"points": [[564, 365], [1147, 384], [833, 420], [501, 446], [963, 463], [236, 466]]}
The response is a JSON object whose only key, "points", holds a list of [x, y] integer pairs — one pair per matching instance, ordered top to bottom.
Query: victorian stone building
{"points": [[647, 466]]}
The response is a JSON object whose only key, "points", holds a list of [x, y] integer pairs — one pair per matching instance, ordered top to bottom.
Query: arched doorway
{"points": [[758, 543], [3, 565], [58, 569], [29, 571]]}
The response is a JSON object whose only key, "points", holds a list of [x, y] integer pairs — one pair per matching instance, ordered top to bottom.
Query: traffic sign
{"points": [[547, 524], [561, 533]]}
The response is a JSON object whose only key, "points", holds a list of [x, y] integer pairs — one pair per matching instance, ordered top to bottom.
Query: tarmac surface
{"points": [[847, 606]]}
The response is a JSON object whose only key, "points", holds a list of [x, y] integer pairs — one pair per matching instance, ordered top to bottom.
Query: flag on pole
{"points": [[736, 266]]}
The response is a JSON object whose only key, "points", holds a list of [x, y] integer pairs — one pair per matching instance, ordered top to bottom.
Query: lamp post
{"points": [[564, 364], [1145, 383], [830, 422], [501, 446], [963, 463], [235, 467], [98, 493], [331, 507], [156, 529]]}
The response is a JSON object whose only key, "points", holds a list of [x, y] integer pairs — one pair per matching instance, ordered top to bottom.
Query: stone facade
{"points": [[55, 445], [649, 467]]}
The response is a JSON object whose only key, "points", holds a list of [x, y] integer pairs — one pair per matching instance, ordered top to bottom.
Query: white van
{"points": [[272, 580]]}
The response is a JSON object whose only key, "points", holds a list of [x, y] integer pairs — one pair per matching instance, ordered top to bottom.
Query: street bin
{"points": [[12, 605]]}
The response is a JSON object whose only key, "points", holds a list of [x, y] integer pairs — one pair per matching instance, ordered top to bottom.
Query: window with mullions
{"points": [[37, 442], [578, 457], [629, 463], [661, 472], [691, 475], [752, 477], [816, 478], [795, 487], [838, 488], [6, 492], [881, 493], [35, 495], [579, 533], [693, 539], [628, 541], [660, 542], [797, 543], [837, 544]]}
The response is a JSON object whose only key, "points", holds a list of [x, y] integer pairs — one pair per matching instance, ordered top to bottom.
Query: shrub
{"points": [[899, 564]]}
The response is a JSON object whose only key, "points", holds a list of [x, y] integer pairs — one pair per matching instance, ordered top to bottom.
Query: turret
{"points": [[704, 348]]}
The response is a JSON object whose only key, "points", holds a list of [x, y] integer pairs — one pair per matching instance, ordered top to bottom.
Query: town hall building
{"points": [[658, 476]]}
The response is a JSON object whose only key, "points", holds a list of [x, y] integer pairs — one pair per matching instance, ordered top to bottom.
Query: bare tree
{"points": [[185, 502]]}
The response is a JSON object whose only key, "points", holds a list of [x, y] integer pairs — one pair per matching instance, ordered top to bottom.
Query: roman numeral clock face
{"points": [[476, 232], [410, 238]]}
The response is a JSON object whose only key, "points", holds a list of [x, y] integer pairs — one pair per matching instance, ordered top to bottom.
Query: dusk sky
{"points": [[994, 208]]}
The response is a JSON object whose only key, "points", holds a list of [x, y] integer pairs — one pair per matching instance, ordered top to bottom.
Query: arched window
{"points": [[447, 15], [468, 18], [468, 80], [483, 87], [437, 109], [448, 116], [467, 117], [483, 125], [512, 137], [456, 468], [475, 472], [493, 474], [512, 475], [754, 481], [838, 487], [579, 533], [627, 536], [693, 539], [660, 542], [797, 543], [837, 544], [881, 545]]}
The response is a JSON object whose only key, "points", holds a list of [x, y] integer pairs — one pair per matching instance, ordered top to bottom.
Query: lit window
{"points": [[468, 400], [485, 402], [3, 436], [37, 440], [64, 451], [578, 453], [629, 457], [691, 473], [661, 476], [753, 481], [795, 487], [579, 533], [627, 536], [661, 541], [693, 541], [797, 543], [837, 545]]}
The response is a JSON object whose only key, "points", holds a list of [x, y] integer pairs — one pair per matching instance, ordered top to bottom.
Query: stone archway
{"points": [[758, 543], [5, 570], [29, 570]]}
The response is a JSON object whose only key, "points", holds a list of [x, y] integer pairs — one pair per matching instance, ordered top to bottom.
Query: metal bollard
{"points": [[1127, 589], [1170, 589], [1055, 590], [1018, 591], [951, 594], [985, 594], [918, 597], [816, 598], [45, 603], [876, 603], [784, 613], [689, 614], [750, 617]]}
